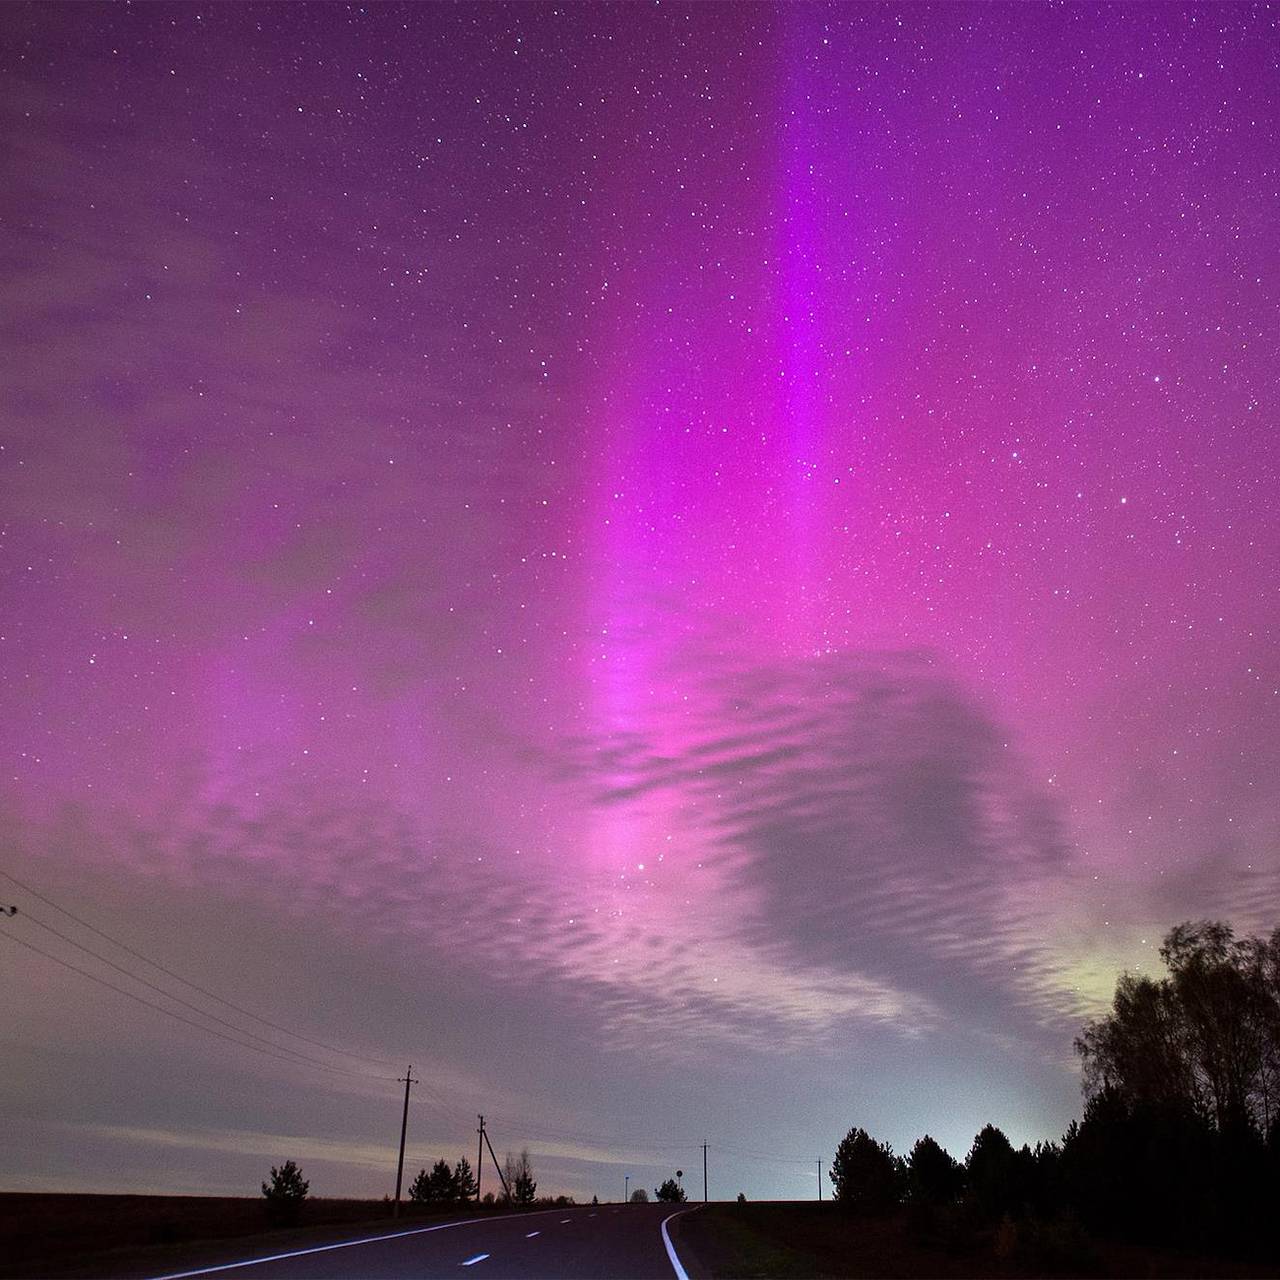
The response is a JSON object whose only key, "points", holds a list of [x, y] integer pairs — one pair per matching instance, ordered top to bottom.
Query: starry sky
{"points": [[698, 572]]}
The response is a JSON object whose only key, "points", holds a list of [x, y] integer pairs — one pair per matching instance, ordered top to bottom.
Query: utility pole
{"points": [[406, 1080], [479, 1157], [819, 1163], [704, 1173], [502, 1177], [626, 1187]]}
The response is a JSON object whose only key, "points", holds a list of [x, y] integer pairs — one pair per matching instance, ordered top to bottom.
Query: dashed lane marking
{"points": [[531, 1234], [328, 1248], [471, 1262]]}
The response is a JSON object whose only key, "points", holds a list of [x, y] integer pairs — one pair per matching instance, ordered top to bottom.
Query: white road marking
{"points": [[591, 1215], [564, 1220], [531, 1234], [342, 1244], [471, 1262], [676, 1265]]}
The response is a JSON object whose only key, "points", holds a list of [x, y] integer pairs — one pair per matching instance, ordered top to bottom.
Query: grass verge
{"points": [[788, 1240]]}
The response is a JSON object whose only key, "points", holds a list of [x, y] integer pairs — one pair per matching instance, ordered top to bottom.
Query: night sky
{"points": [[697, 572]]}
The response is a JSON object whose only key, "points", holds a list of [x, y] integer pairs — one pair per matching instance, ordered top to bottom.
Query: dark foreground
{"points": [[43, 1233], [131, 1237], [800, 1241], [608, 1242]]}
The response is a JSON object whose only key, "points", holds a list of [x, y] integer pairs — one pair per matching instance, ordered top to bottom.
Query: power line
{"points": [[133, 995], [212, 995], [204, 1013], [296, 1056], [613, 1139], [760, 1155]]}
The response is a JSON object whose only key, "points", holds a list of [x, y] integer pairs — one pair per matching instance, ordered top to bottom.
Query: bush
{"points": [[1057, 1244]]}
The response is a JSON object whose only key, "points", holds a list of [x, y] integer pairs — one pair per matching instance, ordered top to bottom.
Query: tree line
{"points": [[1179, 1142], [445, 1185]]}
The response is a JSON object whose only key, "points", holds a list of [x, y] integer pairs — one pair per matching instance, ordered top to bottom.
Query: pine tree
{"points": [[865, 1173], [464, 1181], [443, 1187], [285, 1193]]}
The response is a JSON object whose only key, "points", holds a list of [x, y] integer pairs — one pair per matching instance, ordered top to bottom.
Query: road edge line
{"points": [[347, 1244], [672, 1256]]}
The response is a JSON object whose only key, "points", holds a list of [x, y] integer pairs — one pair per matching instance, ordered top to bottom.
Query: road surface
{"points": [[605, 1242]]}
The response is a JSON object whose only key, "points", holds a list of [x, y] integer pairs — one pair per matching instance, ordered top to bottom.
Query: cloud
{"points": [[878, 823], [857, 844], [797, 850], [301, 1147]]}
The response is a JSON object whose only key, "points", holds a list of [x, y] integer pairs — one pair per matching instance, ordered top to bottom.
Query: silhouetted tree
{"points": [[1220, 984], [1206, 1038], [1180, 1082], [1145, 1170], [991, 1172], [865, 1173], [1043, 1173], [933, 1176], [509, 1179], [464, 1181], [443, 1187], [523, 1188], [420, 1189], [671, 1192], [285, 1193], [639, 1196]]}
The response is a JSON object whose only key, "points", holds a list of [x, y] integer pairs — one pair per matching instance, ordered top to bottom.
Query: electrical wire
{"points": [[212, 995], [204, 1013], [200, 1026], [639, 1144], [762, 1156]]}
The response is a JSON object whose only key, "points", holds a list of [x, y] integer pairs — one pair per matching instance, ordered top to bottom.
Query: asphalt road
{"points": [[605, 1242]]}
